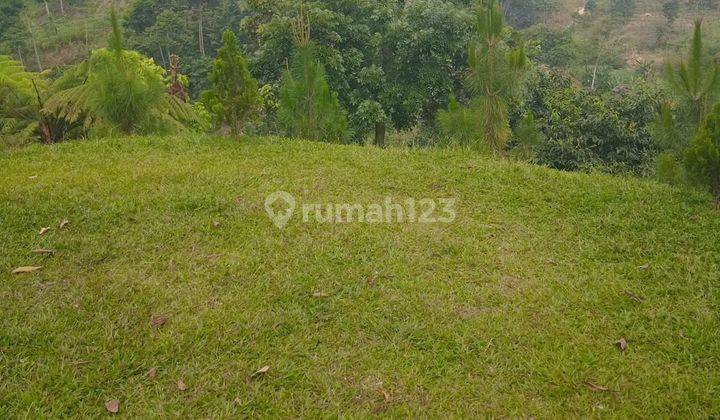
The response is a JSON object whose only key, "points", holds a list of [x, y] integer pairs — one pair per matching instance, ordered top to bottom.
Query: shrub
{"points": [[702, 158]]}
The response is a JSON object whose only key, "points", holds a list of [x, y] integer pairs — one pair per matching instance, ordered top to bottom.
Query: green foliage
{"points": [[622, 8], [670, 9], [496, 74], [695, 83], [118, 91], [233, 99], [19, 107], [308, 108], [461, 126], [586, 130], [526, 138], [702, 158]]}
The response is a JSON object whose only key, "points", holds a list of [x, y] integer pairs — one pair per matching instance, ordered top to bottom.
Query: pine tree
{"points": [[496, 75], [696, 81], [118, 90], [233, 98], [309, 109], [702, 158]]}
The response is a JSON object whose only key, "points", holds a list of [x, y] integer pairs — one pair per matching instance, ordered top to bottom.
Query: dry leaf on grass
{"points": [[33, 177], [64, 223], [216, 224], [44, 230], [43, 251], [25, 270], [320, 295], [633, 296], [159, 320], [621, 344], [263, 370], [152, 373], [181, 386], [594, 387], [112, 406]]}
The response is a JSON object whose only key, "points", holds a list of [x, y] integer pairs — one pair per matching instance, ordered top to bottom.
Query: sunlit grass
{"points": [[512, 310]]}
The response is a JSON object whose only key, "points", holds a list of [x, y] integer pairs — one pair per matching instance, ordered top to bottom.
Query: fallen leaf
{"points": [[33, 177], [64, 223], [216, 224], [44, 230], [43, 251], [644, 266], [24, 270], [320, 295], [633, 296], [76, 305], [159, 320], [621, 344], [80, 363], [263, 370], [152, 373], [181, 386], [594, 387], [386, 395], [237, 401], [113, 406]]}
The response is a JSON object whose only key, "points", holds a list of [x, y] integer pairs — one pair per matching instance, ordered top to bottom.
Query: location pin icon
{"points": [[280, 218]]}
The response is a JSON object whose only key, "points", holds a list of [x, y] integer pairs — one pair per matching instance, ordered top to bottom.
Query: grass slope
{"points": [[509, 311]]}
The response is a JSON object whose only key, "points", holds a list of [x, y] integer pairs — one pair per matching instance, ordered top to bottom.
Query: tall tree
{"points": [[496, 74], [696, 81], [233, 98], [308, 107]]}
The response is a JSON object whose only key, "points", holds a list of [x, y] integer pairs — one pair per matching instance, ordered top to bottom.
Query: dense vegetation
{"points": [[449, 73]]}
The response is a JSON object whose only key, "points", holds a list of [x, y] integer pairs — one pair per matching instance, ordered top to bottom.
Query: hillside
{"points": [[65, 36], [637, 37], [511, 310]]}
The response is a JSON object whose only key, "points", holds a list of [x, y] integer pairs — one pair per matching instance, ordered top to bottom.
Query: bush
{"points": [[585, 130], [702, 158]]}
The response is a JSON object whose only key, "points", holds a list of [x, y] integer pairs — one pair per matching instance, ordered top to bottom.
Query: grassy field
{"points": [[512, 310]]}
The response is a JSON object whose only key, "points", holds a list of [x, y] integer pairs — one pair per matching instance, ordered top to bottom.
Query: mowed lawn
{"points": [[513, 310]]}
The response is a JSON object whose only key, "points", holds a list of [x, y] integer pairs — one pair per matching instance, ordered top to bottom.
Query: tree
{"points": [[670, 9], [496, 74], [696, 82], [117, 90], [233, 98], [19, 109], [309, 109], [702, 158]]}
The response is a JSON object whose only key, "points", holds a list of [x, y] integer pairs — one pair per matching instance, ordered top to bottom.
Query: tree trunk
{"points": [[62, 7], [47, 9], [201, 36], [35, 49], [162, 57], [22, 60], [597, 61], [380, 134]]}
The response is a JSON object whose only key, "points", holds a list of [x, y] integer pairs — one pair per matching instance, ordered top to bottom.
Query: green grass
{"points": [[508, 311]]}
